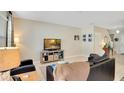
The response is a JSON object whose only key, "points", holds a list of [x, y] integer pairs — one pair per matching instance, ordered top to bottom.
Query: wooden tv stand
{"points": [[51, 56]]}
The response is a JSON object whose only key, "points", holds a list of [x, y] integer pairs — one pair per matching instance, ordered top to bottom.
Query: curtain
{"points": [[10, 33]]}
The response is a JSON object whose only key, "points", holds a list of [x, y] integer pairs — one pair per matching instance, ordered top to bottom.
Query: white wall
{"points": [[32, 33], [98, 35], [88, 46], [118, 46]]}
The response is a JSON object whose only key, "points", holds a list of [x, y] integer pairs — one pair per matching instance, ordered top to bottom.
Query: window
{"points": [[3, 25], [6, 30]]}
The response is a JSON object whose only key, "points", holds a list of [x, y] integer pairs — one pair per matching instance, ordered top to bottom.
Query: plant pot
{"points": [[107, 51]]}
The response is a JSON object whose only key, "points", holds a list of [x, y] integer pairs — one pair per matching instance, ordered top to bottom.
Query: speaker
{"points": [[45, 58]]}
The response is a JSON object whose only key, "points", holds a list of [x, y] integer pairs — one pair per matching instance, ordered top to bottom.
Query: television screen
{"points": [[52, 44]]}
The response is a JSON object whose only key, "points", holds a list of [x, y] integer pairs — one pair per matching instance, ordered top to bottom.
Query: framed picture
{"points": [[89, 35], [76, 37], [84, 38], [90, 39]]}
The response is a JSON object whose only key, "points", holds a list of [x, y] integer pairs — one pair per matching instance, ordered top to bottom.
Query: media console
{"points": [[51, 56]]}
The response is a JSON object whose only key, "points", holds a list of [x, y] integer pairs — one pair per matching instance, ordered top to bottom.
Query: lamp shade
{"points": [[9, 58]]}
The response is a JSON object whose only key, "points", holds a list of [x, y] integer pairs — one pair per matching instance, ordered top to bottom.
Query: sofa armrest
{"points": [[26, 62], [23, 69], [102, 71]]}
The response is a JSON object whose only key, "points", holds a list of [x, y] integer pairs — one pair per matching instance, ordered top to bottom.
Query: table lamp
{"points": [[9, 58]]}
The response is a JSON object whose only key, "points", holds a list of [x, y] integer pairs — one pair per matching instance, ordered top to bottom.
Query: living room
{"points": [[80, 34], [68, 46]]}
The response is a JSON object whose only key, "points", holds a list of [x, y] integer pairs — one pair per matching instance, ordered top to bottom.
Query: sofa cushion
{"points": [[69, 72]]}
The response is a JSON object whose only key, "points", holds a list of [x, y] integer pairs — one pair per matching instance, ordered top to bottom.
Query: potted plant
{"points": [[107, 48]]}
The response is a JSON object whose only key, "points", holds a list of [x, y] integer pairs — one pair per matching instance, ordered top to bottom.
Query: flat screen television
{"points": [[52, 44]]}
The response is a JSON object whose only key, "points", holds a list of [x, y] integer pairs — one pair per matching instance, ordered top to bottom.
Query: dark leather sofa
{"points": [[25, 67], [101, 71]]}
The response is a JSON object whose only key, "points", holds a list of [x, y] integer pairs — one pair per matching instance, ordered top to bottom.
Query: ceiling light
{"points": [[117, 31]]}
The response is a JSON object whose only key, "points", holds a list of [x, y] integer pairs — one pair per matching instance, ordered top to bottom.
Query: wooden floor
{"points": [[119, 67]]}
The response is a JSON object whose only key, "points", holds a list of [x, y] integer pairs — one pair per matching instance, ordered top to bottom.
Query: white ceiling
{"points": [[108, 19]]}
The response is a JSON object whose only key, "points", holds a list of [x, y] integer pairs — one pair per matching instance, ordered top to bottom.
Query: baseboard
{"points": [[74, 56]]}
